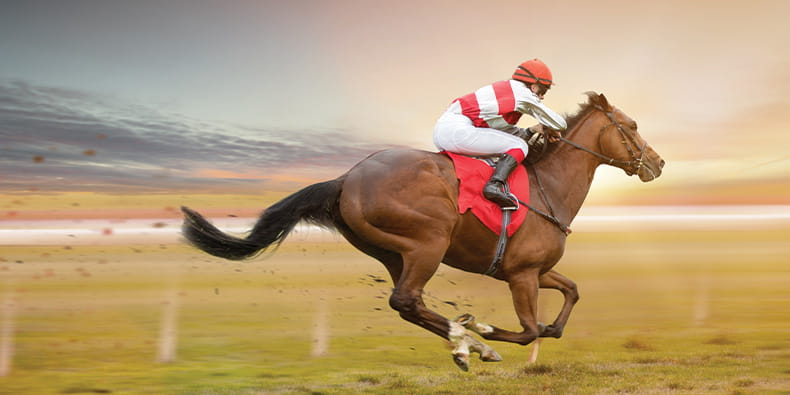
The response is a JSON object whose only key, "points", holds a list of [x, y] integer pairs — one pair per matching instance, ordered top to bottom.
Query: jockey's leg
{"points": [[456, 133], [494, 189]]}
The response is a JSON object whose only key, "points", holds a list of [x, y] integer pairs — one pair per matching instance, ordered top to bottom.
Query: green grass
{"points": [[658, 314]]}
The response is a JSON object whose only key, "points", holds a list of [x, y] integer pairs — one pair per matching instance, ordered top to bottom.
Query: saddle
{"points": [[473, 173]]}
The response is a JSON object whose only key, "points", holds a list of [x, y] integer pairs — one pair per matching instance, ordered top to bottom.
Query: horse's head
{"points": [[621, 145]]}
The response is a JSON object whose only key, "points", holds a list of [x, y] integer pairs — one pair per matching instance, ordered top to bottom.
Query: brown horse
{"points": [[401, 207]]}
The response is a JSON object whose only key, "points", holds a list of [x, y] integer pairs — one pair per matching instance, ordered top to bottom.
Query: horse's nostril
{"points": [[661, 164]]}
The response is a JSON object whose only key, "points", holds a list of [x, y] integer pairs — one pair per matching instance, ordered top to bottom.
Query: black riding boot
{"points": [[494, 189]]}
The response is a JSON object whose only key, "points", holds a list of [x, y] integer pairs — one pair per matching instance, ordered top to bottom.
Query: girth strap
{"points": [[507, 214], [501, 244]]}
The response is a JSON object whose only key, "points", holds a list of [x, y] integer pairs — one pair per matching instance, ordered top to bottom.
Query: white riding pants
{"points": [[455, 132]]}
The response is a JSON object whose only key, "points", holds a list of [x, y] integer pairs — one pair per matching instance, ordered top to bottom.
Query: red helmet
{"points": [[533, 71]]}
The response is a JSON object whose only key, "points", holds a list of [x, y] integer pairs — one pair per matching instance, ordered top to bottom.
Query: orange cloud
{"points": [[215, 173], [294, 176]]}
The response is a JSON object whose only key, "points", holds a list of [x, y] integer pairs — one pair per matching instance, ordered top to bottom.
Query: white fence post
{"points": [[9, 306]]}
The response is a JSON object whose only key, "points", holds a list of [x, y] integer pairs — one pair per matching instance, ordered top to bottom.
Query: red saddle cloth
{"points": [[473, 175]]}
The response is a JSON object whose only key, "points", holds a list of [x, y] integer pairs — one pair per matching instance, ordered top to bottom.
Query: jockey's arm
{"points": [[532, 106]]}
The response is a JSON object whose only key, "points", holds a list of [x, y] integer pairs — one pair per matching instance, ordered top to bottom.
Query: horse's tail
{"points": [[316, 204]]}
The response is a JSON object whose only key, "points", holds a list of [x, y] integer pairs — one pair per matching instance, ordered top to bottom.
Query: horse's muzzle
{"points": [[651, 167]]}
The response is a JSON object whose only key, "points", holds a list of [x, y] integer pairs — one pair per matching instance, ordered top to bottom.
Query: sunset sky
{"points": [[206, 95]]}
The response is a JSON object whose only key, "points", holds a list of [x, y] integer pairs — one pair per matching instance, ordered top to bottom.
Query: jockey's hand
{"points": [[552, 135], [536, 140]]}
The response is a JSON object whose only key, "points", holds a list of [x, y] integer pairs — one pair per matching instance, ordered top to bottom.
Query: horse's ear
{"points": [[599, 100], [603, 102]]}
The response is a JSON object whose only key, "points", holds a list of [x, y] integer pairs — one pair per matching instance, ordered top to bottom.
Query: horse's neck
{"points": [[568, 172]]}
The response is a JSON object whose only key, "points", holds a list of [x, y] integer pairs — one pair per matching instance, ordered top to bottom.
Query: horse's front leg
{"points": [[554, 280], [524, 289]]}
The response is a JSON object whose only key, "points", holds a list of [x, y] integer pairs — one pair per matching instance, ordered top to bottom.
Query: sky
{"points": [[194, 95]]}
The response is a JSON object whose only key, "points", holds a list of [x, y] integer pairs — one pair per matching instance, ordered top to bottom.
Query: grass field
{"points": [[662, 312]]}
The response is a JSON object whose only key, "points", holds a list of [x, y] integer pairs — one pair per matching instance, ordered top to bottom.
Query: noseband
{"points": [[632, 166]]}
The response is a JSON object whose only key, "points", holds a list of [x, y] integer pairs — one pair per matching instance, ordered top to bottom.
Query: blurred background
{"points": [[265, 95], [114, 114]]}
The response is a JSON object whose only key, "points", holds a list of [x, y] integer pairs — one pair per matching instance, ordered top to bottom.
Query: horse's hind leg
{"points": [[410, 272], [554, 280], [407, 295], [406, 298]]}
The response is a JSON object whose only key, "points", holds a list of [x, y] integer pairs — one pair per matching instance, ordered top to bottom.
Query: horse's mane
{"points": [[584, 109], [573, 119]]}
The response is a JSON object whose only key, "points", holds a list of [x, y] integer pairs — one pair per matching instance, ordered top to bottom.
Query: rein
{"points": [[630, 166]]}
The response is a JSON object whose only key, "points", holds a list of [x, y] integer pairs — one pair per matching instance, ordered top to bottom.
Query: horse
{"points": [[400, 206]]}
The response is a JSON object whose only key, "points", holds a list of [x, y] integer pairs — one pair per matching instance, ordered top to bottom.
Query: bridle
{"points": [[632, 166]]}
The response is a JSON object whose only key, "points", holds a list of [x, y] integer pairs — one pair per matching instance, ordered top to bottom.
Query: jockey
{"points": [[484, 123]]}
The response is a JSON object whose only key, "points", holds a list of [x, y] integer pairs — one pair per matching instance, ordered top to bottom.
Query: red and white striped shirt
{"points": [[500, 105]]}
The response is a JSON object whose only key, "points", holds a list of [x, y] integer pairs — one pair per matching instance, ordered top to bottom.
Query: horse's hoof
{"points": [[464, 319], [541, 327], [552, 331], [490, 356], [462, 361]]}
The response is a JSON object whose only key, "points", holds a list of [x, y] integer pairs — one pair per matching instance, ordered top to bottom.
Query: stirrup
{"points": [[506, 194], [513, 199], [512, 203], [512, 207]]}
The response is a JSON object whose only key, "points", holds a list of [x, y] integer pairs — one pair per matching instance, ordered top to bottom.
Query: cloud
{"points": [[67, 139]]}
